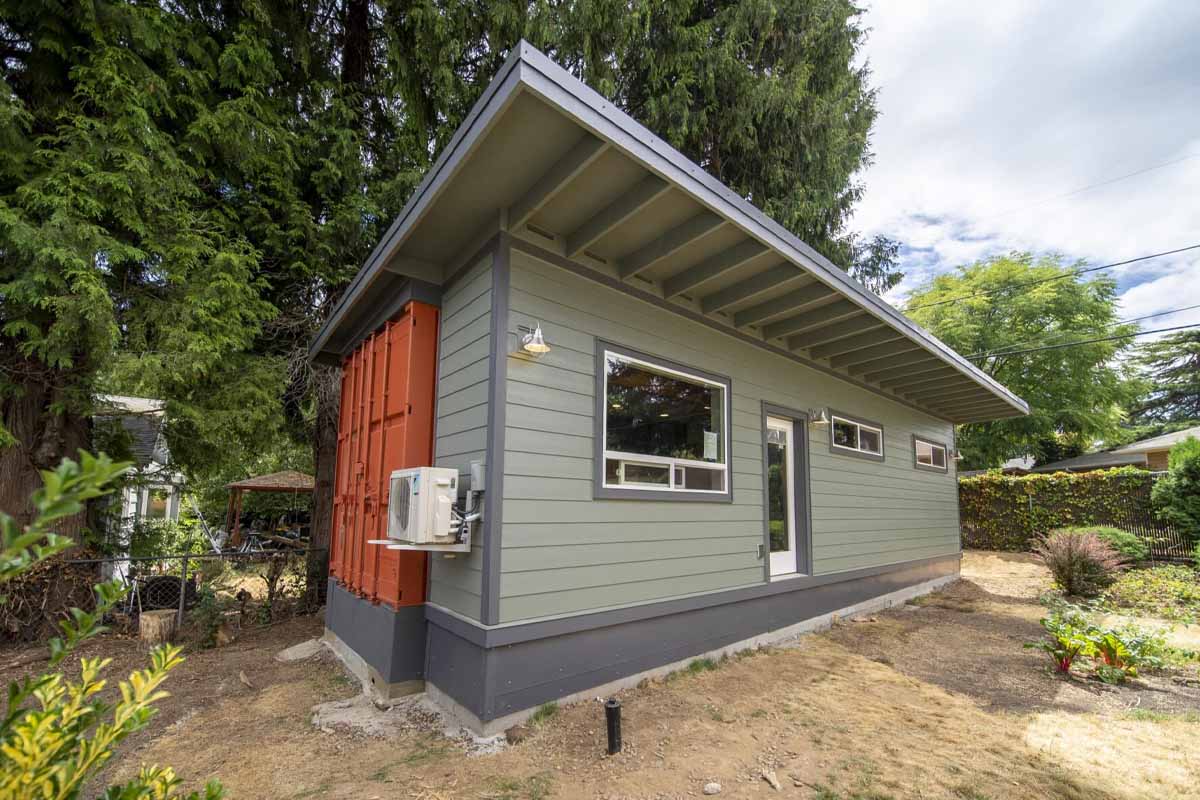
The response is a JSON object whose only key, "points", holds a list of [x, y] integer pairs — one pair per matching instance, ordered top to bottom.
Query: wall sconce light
{"points": [[534, 343], [818, 416], [958, 456]]}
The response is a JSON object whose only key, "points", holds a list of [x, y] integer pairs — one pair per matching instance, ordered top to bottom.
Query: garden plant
{"points": [[57, 733]]}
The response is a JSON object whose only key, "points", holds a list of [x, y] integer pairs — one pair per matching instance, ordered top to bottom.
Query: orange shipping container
{"points": [[386, 423]]}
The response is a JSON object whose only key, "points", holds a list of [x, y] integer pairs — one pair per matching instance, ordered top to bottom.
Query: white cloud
{"points": [[991, 113]]}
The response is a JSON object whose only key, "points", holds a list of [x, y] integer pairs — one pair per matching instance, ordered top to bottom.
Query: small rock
{"points": [[299, 652], [242, 677], [517, 734], [768, 775], [712, 788]]}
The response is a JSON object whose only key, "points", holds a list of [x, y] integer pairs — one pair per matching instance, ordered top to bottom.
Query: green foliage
{"points": [[989, 307], [1172, 368], [1177, 494], [1011, 512], [1128, 545], [1081, 563], [1170, 591], [207, 615], [1068, 639], [1118, 653], [544, 713], [57, 734]]}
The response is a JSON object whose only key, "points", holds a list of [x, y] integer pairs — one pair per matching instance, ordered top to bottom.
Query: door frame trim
{"points": [[803, 488]]}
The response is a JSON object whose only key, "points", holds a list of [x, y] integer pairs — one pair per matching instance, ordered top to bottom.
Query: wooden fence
{"points": [[1010, 512]]}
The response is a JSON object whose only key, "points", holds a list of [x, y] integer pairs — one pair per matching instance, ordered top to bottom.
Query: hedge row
{"points": [[1009, 512]]}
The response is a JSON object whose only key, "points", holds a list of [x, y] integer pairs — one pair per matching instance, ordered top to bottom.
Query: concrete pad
{"points": [[299, 652]]}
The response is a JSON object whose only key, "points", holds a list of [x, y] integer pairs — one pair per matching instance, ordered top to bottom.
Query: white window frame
{"points": [[860, 425], [934, 446], [672, 464]]}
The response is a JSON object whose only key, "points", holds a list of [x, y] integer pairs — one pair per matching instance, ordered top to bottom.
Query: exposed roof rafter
{"points": [[555, 179], [627, 205], [670, 242], [712, 267], [749, 288], [792, 301], [854, 344]]}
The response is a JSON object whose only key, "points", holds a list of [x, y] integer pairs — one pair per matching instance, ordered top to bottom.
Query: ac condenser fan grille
{"points": [[402, 502]]}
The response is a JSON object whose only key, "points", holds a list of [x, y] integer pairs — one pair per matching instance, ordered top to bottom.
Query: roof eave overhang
{"points": [[527, 70]]}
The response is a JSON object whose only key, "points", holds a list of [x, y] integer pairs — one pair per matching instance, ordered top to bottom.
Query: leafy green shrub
{"points": [[1177, 494], [1128, 545], [1082, 563], [1169, 591], [207, 615], [1068, 632], [58, 734]]}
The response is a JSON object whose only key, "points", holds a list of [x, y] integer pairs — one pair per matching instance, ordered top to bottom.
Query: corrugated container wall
{"points": [[386, 423]]}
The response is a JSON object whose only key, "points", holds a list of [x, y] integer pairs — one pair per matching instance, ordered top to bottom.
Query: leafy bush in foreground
{"points": [[1082, 563], [1068, 633], [57, 734]]}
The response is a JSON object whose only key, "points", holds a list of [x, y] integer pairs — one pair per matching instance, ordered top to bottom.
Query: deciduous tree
{"points": [[997, 312]]}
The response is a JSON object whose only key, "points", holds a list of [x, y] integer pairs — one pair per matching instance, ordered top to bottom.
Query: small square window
{"points": [[856, 437], [929, 455]]}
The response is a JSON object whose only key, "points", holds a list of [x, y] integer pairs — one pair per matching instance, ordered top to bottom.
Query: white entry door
{"points": [[781, 495]]}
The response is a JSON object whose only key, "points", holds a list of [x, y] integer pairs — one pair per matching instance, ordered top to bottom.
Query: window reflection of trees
{"points": [[661, 415]]}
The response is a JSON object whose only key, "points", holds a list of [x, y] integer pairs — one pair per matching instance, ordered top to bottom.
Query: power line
{"points": [[1089, 187], [1064, 276], [1111, 324], [1083, 342]]}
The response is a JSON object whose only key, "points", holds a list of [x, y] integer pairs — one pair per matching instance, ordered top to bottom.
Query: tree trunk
{"points": [[327, 388], [43, 438], [157, 627]]}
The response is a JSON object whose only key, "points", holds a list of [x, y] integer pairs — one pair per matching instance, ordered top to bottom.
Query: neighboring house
{"points": [[698, 434], [1156, 449], [1150, 454], [1014, 466], [155, 490]]}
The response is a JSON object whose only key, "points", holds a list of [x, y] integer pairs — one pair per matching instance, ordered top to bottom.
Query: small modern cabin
{"points": [[693, 432]]}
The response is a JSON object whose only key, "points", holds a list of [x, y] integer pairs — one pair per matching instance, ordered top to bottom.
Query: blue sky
{"points": [[994, 117]]}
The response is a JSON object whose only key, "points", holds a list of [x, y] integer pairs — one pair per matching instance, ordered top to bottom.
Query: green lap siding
{"points": [[462, 417], [564, 552]]}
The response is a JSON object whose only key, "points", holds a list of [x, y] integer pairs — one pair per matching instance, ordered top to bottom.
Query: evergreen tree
{"points": [[186, 189], [988, 309], [1171, 365]]}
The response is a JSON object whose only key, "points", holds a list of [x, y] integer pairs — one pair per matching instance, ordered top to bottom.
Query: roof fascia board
{"points": [[558, 87]]}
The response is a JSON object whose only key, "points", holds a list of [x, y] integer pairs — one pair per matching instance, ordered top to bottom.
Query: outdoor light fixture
{"points": [[533, 343], [818, 416], [958, 456]]}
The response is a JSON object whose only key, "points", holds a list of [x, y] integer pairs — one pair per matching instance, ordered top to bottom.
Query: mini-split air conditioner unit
{"points": [[421, 506]]}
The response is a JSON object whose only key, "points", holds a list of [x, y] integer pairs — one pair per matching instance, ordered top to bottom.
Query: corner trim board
{"points": [[493, 499]]}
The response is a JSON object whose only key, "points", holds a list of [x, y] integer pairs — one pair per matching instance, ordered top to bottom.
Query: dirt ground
{"points": [[934, 699]]}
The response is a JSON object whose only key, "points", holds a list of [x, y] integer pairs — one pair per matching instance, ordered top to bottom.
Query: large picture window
{"points": [[665, 428], [856, 437]]}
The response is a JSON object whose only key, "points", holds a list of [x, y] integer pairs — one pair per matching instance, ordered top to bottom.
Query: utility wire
{"points": [[1089, 187], [1064, 276], [1109, 325], [1083, 342]]}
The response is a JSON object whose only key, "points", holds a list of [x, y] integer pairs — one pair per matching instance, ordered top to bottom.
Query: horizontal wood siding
{"points": [[462, 415], [564, 552]]}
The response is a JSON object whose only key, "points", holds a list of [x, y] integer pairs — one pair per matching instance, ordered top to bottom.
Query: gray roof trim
{"points": [[528, 68]]}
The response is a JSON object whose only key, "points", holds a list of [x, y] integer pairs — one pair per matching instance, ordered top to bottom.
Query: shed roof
{"points": [[548, 161], [287, 481]]}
